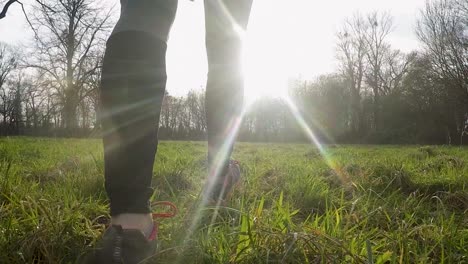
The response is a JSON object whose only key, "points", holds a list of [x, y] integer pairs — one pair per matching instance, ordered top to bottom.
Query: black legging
{"points": [[133, 85]]}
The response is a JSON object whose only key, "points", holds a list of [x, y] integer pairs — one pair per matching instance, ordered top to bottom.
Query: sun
{"points": [[264, 76]]}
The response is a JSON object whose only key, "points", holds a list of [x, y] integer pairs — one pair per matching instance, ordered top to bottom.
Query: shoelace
{"points": [[168, 214]]}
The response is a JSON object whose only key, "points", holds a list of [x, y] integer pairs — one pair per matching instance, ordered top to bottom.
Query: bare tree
{"points": [[7, 5], [377, 29], [443, 29], [69, 37], [351, 52], [367, 61], [8, 62], [394, 67], [90, 94], [8, 95], [34, 99], [196, 107]]}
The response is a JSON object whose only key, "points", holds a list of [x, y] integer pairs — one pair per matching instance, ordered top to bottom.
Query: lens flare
{"points": [[230, 133], [314, 139], [214, 173]]}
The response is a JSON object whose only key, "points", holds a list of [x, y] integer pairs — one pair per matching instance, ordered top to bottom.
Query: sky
{"points": [[285, 39]]}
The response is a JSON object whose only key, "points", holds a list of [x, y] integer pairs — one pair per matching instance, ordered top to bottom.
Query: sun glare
{"points": [[263, 63], [263, 76]]}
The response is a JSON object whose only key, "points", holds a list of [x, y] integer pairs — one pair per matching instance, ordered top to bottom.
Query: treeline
{"points": [[377, 95]]}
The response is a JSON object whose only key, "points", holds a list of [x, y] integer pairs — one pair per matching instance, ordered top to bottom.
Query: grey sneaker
{"points": [[224, 186], [124, 246], [128, 246]]}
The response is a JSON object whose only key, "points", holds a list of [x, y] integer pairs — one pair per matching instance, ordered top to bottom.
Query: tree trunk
{"points": [[376, 109], [355, 112], [70, 117]]}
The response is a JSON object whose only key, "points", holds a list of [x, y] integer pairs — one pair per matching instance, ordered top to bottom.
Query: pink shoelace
{"points": [[169, 214]]}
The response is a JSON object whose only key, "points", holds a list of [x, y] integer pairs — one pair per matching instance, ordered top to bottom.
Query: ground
{"points": [[355, 204]]}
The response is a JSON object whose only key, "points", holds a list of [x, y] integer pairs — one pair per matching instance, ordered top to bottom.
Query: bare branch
{"points": [[10, 2], [5, 8]]}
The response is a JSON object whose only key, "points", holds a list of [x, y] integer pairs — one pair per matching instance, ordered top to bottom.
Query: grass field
{"points": [[365, 204]]}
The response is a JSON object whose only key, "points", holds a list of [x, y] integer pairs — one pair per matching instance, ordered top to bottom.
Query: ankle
{"points": [[142, 222]]}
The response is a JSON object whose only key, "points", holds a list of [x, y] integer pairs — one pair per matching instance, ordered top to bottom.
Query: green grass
{"points": [[379, 204]]}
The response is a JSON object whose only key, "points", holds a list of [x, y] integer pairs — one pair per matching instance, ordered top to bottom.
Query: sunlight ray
{"points": [[236, 28], [230, 136], [313, 138], [115, 141], [214, 171]]}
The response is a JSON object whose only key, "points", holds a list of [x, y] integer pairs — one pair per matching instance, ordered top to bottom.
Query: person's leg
{"points": [[224, 22], [132, 90]]}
